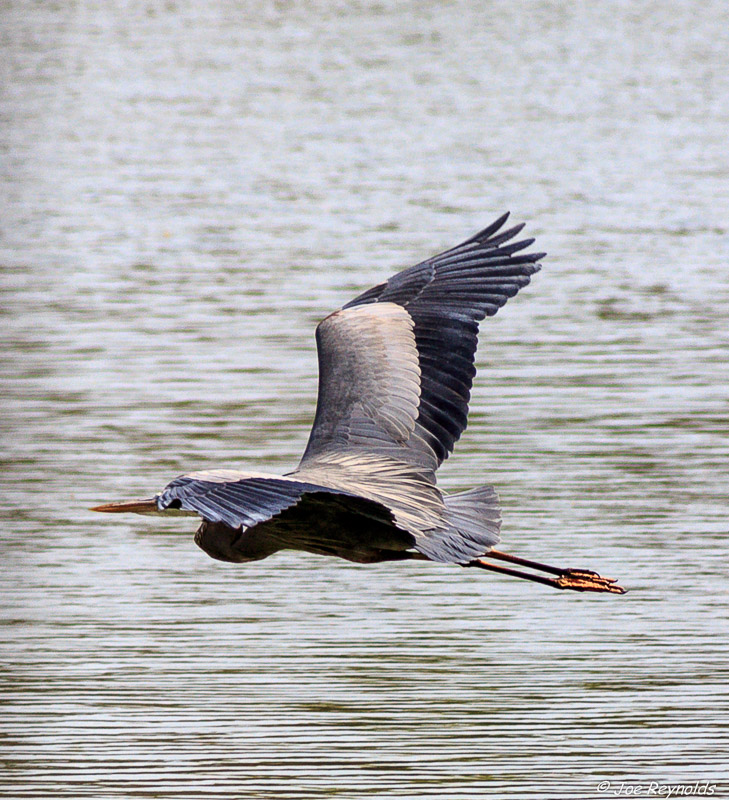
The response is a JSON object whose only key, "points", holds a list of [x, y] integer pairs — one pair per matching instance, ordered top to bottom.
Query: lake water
{"points": [[186, 190]]}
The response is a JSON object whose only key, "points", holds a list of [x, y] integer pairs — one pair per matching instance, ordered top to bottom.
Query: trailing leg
{"points": [[579, 580]]}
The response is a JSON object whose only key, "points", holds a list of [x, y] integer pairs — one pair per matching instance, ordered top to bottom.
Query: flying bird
{"points": [[396, 367]]}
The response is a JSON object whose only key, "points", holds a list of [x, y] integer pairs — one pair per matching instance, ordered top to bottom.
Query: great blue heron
{"points": [[396, 366]]}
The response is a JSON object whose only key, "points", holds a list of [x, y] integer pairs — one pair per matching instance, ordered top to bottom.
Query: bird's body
{"points": [[396, 366]]}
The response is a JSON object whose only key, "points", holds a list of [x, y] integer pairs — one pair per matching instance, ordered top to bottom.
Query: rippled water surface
{"points": [[186, 190]]}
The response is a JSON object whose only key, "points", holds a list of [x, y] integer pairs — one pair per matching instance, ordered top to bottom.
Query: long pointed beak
{"points": [[133, 506]]}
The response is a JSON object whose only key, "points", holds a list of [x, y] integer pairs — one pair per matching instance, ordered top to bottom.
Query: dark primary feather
{"points": [[446, 297]]}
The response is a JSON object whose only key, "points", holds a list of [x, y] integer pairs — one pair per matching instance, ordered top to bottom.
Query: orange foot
{"points": [[585, 580]]}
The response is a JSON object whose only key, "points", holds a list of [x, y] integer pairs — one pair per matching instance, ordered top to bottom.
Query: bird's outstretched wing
{"points": [[396, 364], [232, 497]]}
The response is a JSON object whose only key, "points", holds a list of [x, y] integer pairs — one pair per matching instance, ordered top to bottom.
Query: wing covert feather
{"points": [[369, 382]]}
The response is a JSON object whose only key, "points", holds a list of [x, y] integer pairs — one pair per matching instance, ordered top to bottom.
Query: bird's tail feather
{"points": [[473, 523]]}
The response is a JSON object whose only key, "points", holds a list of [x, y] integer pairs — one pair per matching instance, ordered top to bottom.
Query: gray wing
{"points": [[396, 364], [369, 382], [233, 499], [247, 517]]}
